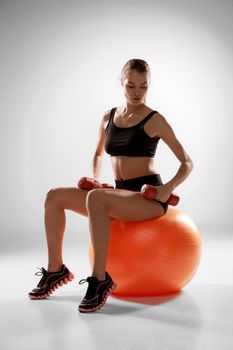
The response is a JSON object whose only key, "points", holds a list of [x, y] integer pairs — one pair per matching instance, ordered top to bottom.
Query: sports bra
{"points": [[130, 141]]}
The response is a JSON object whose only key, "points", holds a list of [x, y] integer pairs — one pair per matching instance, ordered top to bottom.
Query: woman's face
{"points": [[135, 86]]}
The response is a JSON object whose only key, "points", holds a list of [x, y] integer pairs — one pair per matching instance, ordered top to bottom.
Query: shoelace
{"points": [[42, 272], [89, 279], [84, 280]]}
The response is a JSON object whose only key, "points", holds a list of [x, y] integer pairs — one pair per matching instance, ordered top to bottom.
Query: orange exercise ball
{"points": [[152, 257]]}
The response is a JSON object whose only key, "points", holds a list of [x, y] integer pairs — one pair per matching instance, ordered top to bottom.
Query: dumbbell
{"points": [[88, 183], [149, 192]]}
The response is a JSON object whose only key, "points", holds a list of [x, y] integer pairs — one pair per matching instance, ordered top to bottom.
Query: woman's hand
{"points": [[89, 183], [163, 192]]}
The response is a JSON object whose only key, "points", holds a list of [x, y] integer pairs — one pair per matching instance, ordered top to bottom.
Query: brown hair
{"points": [[139, 65]]}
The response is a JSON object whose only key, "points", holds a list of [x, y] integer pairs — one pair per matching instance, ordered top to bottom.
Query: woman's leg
{"points": [[57, 201], [104, 204], [100, 205], [99, 226]]}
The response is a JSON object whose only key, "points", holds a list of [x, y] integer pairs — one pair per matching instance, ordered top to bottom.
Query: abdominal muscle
{"points": [[129, 167]]}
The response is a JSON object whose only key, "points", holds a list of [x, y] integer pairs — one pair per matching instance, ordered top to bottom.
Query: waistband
{"points": [[139, 178]]}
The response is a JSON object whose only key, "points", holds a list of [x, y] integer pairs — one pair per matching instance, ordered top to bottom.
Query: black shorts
{"points": [[136, 183]]}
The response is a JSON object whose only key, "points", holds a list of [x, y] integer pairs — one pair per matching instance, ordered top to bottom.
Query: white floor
{"points": [[200, 317]]}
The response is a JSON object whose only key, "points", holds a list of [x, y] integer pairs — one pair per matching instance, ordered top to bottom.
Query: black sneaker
{"points": [[50, 281], [97, 293]]}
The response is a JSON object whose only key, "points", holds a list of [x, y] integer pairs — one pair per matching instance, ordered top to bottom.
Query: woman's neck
{"points": [[129, 109]]}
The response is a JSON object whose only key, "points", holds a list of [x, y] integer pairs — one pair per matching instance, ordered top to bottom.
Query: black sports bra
{"points": [[130, 141]]}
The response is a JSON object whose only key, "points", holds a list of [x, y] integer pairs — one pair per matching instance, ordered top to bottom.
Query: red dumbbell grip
{"points": [[150, 192]]}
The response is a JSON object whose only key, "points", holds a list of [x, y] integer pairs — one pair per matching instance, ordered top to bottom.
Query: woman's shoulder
{"points": [[149, 110], [107, 114], [106, 117], [156, 121]]}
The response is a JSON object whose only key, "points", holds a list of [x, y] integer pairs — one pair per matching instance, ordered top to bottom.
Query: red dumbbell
{"points": [[88, 183], [149, 192]]}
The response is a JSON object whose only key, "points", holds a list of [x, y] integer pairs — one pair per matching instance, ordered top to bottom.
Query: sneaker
{"points": [[50, 281], [97, 293]]}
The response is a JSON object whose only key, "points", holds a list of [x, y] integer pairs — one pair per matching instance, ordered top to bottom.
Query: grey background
{"points": [[60, 68]]}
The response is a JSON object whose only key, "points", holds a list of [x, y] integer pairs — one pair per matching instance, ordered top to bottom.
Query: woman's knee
{"points": [[52, 196], [94, 197], [71, 198]]}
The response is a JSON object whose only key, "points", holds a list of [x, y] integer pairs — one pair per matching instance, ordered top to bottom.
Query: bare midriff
{"points": [[125, 167]]}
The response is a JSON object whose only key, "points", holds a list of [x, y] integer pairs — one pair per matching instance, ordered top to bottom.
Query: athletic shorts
{"points": [[136, 183]]}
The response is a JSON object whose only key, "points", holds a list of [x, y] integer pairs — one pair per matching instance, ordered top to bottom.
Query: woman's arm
{"points": [[164, 130], [98, 154], [96, 166], [182, 173]]}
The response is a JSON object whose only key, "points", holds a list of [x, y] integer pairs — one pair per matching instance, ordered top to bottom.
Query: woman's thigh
{"points": [[71, 198], [121, 204], [128, 205]]}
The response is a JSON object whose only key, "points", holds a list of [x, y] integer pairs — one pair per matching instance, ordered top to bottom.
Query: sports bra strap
{"points": [[113, 110], [143, 121]]}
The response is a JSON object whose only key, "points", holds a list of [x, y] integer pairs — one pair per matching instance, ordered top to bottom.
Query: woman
{"points": [[130, 134]]}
